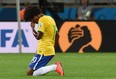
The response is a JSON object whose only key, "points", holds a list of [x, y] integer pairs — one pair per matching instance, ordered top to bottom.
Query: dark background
{"points": [[108, 29]]}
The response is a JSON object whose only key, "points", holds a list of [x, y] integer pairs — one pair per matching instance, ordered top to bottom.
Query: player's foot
{"points": [[59, 69]]}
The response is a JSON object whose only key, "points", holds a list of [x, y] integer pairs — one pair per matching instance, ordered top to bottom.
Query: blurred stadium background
{"points": [[70, 7], [103, 13], [98, 61]]}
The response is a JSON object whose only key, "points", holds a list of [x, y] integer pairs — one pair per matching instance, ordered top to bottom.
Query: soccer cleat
{"points": [[59, 69]]}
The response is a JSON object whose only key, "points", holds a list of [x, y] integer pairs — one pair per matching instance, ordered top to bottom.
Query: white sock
{"points": [[44, 70]]}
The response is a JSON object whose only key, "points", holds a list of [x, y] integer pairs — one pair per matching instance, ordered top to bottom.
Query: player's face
{"points": [[84, 2], [35, 19]]}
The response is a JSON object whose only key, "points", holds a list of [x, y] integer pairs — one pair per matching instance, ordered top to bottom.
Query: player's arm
{"points": [[37, 35], [56, 39]]}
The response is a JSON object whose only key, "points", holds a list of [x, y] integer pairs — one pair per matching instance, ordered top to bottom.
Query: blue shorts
{"points": [[39, 61]]}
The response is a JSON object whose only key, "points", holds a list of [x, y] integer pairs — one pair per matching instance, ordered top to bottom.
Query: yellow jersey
{"points": [[47, 26]]}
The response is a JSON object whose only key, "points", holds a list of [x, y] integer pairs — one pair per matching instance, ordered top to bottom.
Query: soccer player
{"points": [[47, 36]]}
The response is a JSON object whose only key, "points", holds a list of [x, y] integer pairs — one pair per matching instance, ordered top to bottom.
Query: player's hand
{"points": [[32, 25]]}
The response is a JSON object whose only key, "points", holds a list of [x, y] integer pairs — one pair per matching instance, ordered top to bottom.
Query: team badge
{"points": [[40, 24]]}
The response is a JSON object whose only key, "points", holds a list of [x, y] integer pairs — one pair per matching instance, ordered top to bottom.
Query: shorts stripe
{"points": [[37, 62]]}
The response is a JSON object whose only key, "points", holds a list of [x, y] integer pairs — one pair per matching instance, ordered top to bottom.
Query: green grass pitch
{"points": [[76, 66]]}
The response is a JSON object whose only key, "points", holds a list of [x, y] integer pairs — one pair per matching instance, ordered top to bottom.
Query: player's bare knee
{"points": [[29, 73]]}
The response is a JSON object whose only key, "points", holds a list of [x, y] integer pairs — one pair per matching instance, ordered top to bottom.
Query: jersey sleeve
{"points": [[41, 26], [56, 29]]}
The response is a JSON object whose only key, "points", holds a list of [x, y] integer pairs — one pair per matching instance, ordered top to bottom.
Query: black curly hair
{"points": [[81, 2], [31, 11]]}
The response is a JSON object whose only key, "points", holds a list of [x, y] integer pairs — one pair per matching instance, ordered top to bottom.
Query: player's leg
{"points": [[38, 62], [32, 65], [38, 66], [54, 67], [42, 69], [30, 72]]}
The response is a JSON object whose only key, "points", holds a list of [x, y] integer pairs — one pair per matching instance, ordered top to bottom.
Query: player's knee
{"points": [[29, 73]]}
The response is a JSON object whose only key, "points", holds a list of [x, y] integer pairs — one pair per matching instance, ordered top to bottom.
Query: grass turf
{"points": [[76, 66]]}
